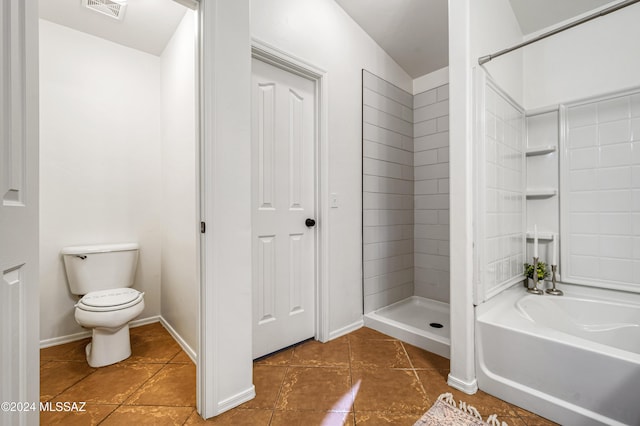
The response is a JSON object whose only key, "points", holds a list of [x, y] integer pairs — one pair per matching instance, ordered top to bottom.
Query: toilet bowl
{"points": [[103, 276], [108, 313]]}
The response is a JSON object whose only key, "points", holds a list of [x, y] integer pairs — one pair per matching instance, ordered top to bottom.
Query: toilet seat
{"points": [[110, 300]]}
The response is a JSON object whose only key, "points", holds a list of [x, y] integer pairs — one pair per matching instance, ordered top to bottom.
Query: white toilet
{"points": [[103, 275]]}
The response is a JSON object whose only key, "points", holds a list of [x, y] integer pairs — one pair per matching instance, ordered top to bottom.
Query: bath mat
{"points": [[445, 413]]}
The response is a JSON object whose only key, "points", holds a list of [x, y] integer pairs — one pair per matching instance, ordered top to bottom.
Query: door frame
{"points": [[298, 66]]}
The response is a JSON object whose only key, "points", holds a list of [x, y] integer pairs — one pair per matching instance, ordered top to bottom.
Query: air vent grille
{"points": [[112, 8]]}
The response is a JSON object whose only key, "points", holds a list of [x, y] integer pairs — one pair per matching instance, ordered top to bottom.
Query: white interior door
{"points": [[283, 139], [19, 359]]}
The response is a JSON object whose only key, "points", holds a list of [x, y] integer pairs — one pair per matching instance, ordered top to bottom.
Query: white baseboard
{"points": [[144, 321], [137, 323], [346, 329], [61, 340], [55, 341], [185, 347], [467, 387], [237, 399]]}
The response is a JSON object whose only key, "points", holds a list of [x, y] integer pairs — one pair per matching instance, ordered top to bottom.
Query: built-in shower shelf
{"points": [[540, 150], [541, 193], [541, 235]]}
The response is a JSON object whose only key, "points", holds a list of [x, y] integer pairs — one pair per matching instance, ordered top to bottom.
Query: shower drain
{"points": [[436, 325]]}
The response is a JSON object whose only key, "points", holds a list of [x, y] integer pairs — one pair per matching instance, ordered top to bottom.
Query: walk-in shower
{"points": [[405, 200]]}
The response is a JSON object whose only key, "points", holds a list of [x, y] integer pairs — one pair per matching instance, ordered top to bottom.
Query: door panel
{"points": [[283, 191], [19, 378]]}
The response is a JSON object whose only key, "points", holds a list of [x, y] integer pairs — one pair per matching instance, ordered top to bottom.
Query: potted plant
{"points": [[543, 272]]}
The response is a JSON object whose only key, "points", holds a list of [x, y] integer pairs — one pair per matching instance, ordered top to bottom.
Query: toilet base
{"points": [[108, 346]]}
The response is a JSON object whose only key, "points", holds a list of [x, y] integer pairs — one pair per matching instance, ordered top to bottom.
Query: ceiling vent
{"points": [[113, 8]]}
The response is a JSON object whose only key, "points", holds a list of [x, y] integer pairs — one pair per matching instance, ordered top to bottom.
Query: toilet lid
{"points": [[116, 298]]}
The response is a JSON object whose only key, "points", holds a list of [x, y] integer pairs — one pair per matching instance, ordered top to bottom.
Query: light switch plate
{"points": [[333, 200]]}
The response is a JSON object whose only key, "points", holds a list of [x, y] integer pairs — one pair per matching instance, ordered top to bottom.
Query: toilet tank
{"points": [[100, 267]]}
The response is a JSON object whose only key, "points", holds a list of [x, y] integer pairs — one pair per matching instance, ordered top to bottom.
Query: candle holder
{"points": [[535, 289], [553, 290]]}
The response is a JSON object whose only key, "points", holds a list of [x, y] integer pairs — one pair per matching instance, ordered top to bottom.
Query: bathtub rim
{"points": [[509, 316]]}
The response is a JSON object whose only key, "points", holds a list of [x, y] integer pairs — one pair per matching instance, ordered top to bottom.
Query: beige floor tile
{"points": [[368, 333], [152, 344], [73, 351], [371, 353], [331, 354], [181, 358], [281, 358], [424, 359], [57, 376], [268, 380], [434, 382], [312, 383], [110, 385], [173, 385], [317, 389], [389, 390], [93, 415], [148, 415], [236, 417], [290, 418], [373, 418]]}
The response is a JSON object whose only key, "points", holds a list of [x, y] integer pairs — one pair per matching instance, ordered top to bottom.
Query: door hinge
{"points": [[203, 227]]}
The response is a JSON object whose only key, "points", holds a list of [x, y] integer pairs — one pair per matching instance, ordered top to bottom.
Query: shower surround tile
{"points": [[388, 194], [599, 202]]}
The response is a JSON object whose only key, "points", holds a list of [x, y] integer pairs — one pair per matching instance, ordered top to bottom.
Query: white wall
{"points": [[494, 27], [320, 32], [595, 58], [100, 162], [180, 276], [224, 353]]}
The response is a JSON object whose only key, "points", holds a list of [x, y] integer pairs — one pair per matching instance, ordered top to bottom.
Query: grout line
{"points": [[415, 373], [284, 377], [74, 383], [189, 416]]}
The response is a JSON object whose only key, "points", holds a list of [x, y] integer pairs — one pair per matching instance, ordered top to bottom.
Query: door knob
{"points": [[310, 223]]}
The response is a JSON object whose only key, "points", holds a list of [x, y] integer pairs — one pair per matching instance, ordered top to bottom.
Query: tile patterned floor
{"points": [[364, 378]]}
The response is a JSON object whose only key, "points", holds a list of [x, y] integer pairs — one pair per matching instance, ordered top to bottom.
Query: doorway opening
{"points": [[119, 163]]}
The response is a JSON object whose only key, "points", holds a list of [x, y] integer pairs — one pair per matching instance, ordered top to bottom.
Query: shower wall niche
{"points": [[405, 193]]}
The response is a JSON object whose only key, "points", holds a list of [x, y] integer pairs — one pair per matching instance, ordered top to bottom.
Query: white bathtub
{"points": [[574, 359]]}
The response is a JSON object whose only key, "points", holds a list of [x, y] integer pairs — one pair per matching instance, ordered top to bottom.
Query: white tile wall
{"points": [[431, 161], [405, 193], [388, 199], [504, 213], [600, 232]]}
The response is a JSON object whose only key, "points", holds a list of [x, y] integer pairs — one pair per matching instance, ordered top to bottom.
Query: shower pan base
{"points": [[416, 320]]}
